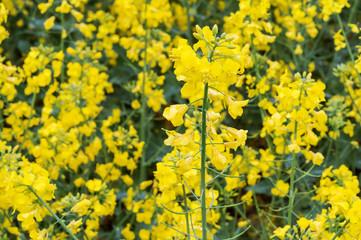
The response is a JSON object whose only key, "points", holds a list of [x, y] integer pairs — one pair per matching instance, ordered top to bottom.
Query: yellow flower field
{"points": [[180, 119]]}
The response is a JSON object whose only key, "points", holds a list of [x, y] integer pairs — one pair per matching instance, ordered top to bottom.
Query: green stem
{"points": [[353, 11], [189, 27], [348, 45], [352, 59], [62, 74], [258, 77], [352, 99], [143, 111], [31, 116], [1, 122], [268, 138], [203, 150], [328, 153], [203, 162], [293, 167], [292, 193], [186, 209], [238, 210], [259, 214], [54, 215], [264, 232], [338, 233]]}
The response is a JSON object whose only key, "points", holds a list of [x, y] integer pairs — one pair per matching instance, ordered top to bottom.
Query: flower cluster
{"points": [[22, 185]]}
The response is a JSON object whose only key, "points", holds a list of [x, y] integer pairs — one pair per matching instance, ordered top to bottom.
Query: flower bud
{"points": [[215, 29], [199, 30], [197, 36], [229, 39], [231, 46]]}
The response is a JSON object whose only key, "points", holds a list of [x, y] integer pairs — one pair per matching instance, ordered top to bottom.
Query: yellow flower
{"points": [[332, 6], [43, 7], [64, 7], [78, 16], [49, 23], [354, 28], [63, 33], [339, 40], [298, 50], [135, 104], [235, 108], [175, 113], [239, 137], [355, 144], [294, 147], [317, 158], [218, 160], [184, 165], [127, 180], [79, 182], [145, 184], [94, 185], [281, 189], [248, 198], [81, 207], [303, 223], [242, 224], [74, 226], [281, 232], [127, 233], [144, 234], [42, 235]]}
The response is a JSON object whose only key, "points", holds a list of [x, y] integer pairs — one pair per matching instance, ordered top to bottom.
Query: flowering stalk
{"points": [[351, 17], [189, 28], [348, 46], [353, 62], [204, 72], [62, 73], [258, 77], [143, 110], [31, 116], [268, 139], [203, 151], [203, 162], [293, 166], [292, 193], [186, 211], [54, 215], [338, 233]]}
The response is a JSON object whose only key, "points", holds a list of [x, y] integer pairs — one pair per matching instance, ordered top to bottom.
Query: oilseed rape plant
{"points": [[180, 119]]}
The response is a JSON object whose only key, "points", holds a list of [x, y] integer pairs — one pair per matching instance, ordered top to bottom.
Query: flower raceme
{"points": [[211, 67], [220, 68], [22, 183]]}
